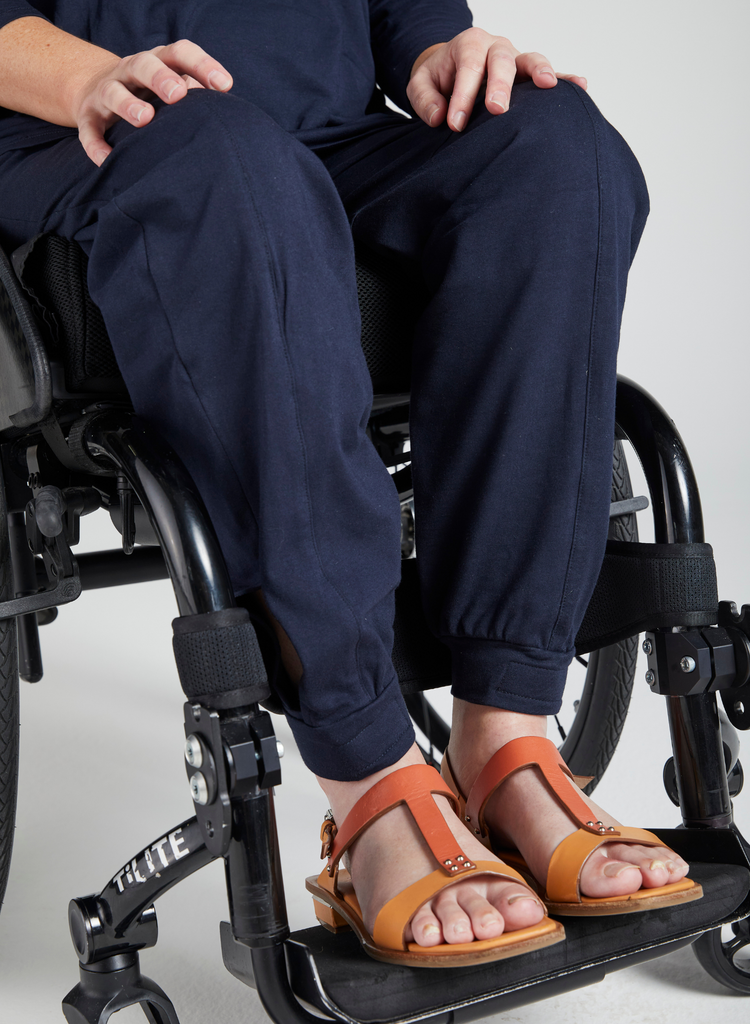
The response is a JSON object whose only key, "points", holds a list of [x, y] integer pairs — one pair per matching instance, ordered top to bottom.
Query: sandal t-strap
{"points": [[561, 891], [336, 903]]}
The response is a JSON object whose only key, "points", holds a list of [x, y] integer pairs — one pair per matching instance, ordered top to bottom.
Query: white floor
{"points": [[102, 775]]}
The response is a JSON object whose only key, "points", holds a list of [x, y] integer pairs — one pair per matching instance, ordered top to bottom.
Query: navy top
{"points": [[307, 63]]}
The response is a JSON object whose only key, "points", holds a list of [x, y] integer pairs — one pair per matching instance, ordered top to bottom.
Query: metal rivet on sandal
{"points": [[468, 817], [590, 824], [611, 828], [477, 832], [460, 859], [448, 862], [455, 867]]}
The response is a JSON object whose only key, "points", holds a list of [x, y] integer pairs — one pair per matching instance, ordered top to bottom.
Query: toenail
{"points": [[658, 865], [614, 869], [521, 896], [431, 929]]}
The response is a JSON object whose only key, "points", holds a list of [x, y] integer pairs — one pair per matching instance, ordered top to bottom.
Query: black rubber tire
{"points": [[8, 706], [595, 732], [716, 956]]}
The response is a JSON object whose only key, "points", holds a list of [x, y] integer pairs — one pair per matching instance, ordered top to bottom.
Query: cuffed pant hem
{"points": [[523, 679], [350, 749]]}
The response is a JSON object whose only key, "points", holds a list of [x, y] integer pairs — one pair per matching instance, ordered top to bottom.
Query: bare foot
{"points": [[523, 814], [391, 854]]}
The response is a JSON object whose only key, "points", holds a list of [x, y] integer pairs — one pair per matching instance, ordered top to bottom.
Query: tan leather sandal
{"points": [[561, 891], [336, 905]]}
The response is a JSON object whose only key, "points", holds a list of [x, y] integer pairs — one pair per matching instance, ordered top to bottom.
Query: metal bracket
{"points": [[65, 591], [715, 658], [690, 661], [736, 698], [227, 758], [207, 774]]}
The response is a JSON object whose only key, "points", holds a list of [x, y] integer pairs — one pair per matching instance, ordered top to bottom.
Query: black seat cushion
{"points": [[53, 272]]}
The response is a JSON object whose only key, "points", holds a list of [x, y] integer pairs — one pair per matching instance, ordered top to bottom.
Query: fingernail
{"points": [[547, 71], [218, 81], [170, 87], [500, 99], [431, 111], [137, 112], [459, 120], [657, 865], [614, 869], [520, 896]]}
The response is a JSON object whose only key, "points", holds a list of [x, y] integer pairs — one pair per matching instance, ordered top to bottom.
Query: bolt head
{"points": [[647, 647], [688, 664], [650, 678], [193, 751], [199, 788]]}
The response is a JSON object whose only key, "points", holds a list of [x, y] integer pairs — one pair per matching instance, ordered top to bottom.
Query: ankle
{"points": [[478, 731], [342, 796]]}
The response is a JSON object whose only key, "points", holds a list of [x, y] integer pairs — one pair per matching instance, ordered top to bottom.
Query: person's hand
{"points": [[446, 78], [119, 90]]}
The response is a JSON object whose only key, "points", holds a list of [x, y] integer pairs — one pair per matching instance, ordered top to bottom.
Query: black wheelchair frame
{"points": [[231, 753]]}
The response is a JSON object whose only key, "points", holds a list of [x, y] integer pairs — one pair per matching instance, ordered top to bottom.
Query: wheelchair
{"points": [[70, 444]]}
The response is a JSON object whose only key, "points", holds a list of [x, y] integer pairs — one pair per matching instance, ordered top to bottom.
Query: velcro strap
{"points": [[649, 586], [218, 658]]}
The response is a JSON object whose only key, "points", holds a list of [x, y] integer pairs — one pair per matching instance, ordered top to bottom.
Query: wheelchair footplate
{"points": [[332, 974]]}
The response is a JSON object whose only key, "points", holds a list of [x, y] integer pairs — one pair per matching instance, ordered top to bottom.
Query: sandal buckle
{"points": [[328, 832]]}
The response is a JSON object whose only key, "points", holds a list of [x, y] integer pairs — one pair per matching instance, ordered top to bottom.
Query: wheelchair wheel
{"points": [[8, 706], [590, 742], [725, 954]]}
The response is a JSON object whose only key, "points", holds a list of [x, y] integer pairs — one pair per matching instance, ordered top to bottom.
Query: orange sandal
{"points": [[561, 892], [336, 905]]}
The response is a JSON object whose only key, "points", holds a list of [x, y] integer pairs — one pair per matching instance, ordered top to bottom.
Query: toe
{"points": [[657, 865], [604, 874], [520, 908], [485, 919], [454, 921], [425, 928]]}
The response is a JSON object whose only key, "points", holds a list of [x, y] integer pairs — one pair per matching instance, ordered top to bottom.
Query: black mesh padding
{"points": [[53, 271], [391, 297], [649, 586], [217, 654], [420, 660]]}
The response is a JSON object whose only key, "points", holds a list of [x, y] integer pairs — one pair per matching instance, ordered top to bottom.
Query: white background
{"points": [[101, 768]]}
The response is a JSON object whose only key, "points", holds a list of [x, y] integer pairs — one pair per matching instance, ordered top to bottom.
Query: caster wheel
{"points": [[725, 954]]}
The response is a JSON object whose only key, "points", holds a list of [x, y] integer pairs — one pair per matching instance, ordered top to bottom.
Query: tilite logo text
{"points": [[161, 854]]}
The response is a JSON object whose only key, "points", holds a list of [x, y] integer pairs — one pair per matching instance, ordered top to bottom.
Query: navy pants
{"points": [[221, 257]]}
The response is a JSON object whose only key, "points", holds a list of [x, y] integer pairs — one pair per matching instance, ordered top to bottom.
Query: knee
{"points": [[204, 126], [556, 142]]}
